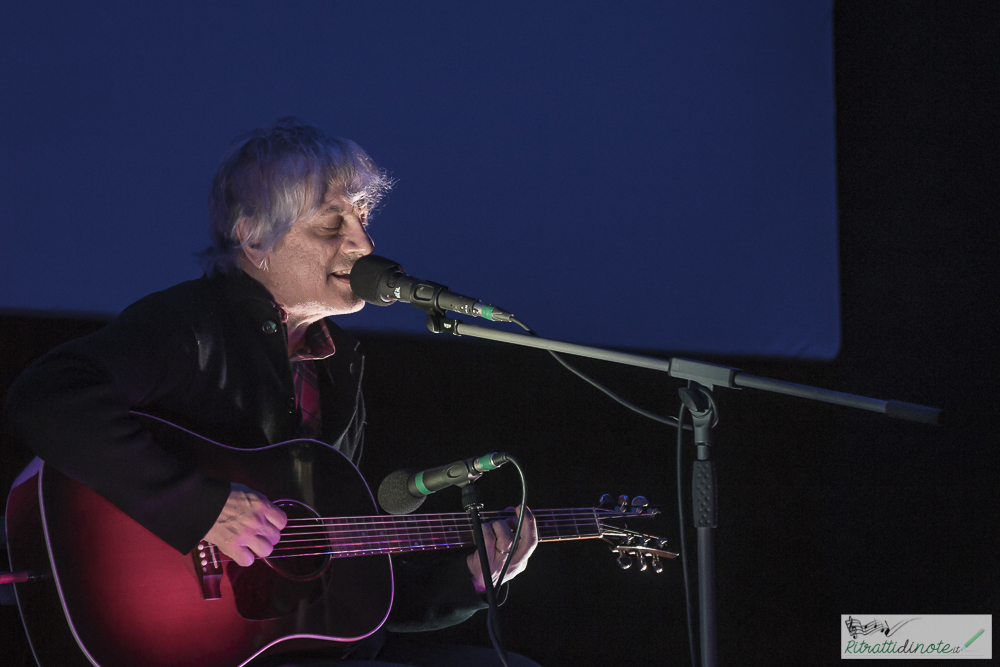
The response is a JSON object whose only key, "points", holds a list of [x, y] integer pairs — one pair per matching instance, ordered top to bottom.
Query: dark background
{"points": [[541, 150], [825, 511]]}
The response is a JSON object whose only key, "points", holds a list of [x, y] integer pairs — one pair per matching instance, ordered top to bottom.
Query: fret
{"points": [[593, 524], [548, 526], [384, 538], [411, 540], [349, 545]]}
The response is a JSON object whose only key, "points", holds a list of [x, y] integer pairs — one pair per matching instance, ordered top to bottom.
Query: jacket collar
{"points": [[249, 297]]}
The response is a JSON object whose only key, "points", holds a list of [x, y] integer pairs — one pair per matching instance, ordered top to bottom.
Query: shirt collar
{"points": [[316, 344]]}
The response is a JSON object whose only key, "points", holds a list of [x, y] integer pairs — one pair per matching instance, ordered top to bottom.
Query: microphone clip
{"points": [[426, 300], [437, 322]]}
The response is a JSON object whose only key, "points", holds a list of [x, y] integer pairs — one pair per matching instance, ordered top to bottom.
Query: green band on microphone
{"points": [[486, 312], [486, 462], [418, 481]]}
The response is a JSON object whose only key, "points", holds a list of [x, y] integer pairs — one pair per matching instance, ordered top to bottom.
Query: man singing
{"points": [[245, 356]]}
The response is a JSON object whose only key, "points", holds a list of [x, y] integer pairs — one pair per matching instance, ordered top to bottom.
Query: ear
{"points": [[252, 252]]}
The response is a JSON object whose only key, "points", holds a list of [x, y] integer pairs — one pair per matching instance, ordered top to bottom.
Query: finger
{"points": [[275, 516], [512, 521], [530, 527], [269, 532], [529, 533], [503, 537], [490, 539], [260, 546], [241, 555]]}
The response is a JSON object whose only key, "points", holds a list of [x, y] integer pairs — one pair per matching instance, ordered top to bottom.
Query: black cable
{"points": [[669, 421], [680, 517], [520, 520], [490, 627], [492, 632]]}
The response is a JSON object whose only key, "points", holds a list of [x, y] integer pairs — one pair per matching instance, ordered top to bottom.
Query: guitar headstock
{"points": [[622, 508], [631, 546], [646, 550]]}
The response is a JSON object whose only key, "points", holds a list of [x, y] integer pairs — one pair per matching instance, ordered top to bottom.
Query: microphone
{"points": [[382, 282], [404, 490]]}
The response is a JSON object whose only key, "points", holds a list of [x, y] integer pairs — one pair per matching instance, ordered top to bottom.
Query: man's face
{"points": [[308, 273]]}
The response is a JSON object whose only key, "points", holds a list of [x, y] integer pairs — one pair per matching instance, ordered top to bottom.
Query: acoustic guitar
{"points": [[110, 593]]}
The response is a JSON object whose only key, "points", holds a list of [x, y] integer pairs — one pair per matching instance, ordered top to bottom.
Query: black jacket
{"points": [[209, 355]]}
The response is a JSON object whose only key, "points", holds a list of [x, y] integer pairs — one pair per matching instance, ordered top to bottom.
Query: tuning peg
{"points": [[606, 500], [639, 501], [622, 503], [663, 543], [624, 561], [642, 563], [657, 566]]}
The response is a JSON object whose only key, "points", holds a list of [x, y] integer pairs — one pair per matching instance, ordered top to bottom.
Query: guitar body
{"points": [[115, 595]]}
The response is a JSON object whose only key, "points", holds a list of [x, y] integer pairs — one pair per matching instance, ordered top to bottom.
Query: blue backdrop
{"points": [[652, 175]]}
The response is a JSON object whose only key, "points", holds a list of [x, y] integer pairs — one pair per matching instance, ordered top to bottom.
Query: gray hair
{"points": [[273, 176]]}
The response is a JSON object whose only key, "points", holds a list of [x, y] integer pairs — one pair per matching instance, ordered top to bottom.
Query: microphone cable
{"points": [[669, 421], [491, 628]]}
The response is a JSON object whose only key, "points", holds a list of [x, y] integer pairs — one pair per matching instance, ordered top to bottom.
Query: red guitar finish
{"points": [[115, 595]]}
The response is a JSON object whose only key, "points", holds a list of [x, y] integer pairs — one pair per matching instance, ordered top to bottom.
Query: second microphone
{"points": [[404, 490]]}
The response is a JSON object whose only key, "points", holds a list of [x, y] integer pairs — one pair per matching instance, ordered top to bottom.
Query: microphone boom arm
{"points": [[709, 375]]}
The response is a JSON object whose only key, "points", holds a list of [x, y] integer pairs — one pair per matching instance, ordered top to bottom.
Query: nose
{"points": [[359, 242]]}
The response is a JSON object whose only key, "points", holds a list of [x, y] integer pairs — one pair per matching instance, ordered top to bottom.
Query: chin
{"points": [[351, 307]]}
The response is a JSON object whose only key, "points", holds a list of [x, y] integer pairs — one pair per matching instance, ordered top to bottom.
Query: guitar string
{"points": [[509, 514], [462, 516], [390, 522], [370, 523], [347, 527], [386, 530], [409, 532], [374, 536], [417, 538], [392, 539], [408, 541], [396, 549], [382, 550]]}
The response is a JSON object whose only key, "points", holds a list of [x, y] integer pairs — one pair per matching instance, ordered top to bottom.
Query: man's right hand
{"points": [[249, 524]]}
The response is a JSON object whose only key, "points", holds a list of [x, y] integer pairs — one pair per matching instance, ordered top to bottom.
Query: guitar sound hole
{"points": [[303, 552]]}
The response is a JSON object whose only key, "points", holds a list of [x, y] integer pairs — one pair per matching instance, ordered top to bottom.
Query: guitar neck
{"points": [[374, 535]]}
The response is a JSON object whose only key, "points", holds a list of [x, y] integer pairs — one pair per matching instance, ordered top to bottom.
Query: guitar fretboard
{"points": [[374, 535]]}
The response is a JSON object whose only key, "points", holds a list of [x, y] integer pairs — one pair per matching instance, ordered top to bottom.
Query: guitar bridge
{"points": [[208, 568]]}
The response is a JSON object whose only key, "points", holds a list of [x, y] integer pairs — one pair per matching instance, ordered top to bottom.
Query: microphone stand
{"points": [[697, 397], [472, 504]]}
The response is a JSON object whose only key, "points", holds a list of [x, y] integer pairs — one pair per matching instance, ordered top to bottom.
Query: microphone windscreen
{"points": [[366, 274], [393, 495]]}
